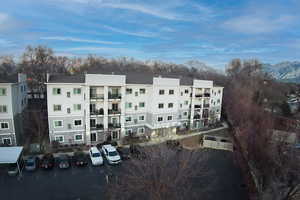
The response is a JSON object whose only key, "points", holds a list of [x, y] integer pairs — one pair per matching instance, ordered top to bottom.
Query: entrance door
{"points": [[115, 107], [114, 120], [93, 137]]}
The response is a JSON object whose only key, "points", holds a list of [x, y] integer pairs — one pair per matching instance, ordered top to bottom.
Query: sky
{"points": [[211, 31]]}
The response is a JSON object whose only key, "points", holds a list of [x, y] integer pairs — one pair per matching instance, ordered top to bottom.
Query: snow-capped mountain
{"points": [[284, 71]]}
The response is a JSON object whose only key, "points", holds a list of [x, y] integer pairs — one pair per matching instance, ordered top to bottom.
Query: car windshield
{"points": [[113, 153], [96, 155], [29, 163]]}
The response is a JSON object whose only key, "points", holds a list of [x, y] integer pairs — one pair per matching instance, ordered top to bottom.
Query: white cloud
{"points": [[258, 24], [140, 34], [72, 39], [101, 50]]}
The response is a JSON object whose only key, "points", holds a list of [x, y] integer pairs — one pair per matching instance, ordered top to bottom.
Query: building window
{"points": [[142, 90], [56, 91], [77, 91], [128, 91], [186, 91], [219, 91], [3, 92], [161, 92], [171, 92], [68, 94], [136, 94], [218, 101], [186, 102], [142, 104], [128, 105], [160, 105], [170, 105], [181, 105], [56, 107], [77, 107], [3, 109], [69, 110], [185, 113], [142, 118], [170, 118], [128, 119], [160, 119], [78, 122], [92, 122], [58, 124], [4, 125], [141, 130], [128, 132], [115, 135], [78, 137], [93, 137], [59, 138], [6, 141]]}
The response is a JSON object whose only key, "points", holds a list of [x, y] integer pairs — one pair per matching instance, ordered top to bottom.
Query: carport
{"points": [[11, 155]]}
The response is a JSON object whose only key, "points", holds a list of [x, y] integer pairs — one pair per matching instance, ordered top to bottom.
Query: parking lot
{"points": [[88, 183]]}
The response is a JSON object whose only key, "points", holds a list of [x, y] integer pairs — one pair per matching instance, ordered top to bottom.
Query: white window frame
{"points": [[53, 89], [75, 89], [128, 89], [141, 89], [170, 91], [5, 93], [162, 93], [171, 104], [57, 105], [127, 105], [75, 106], [142, 106], [162, 106], [5, 108], [160, 117], [130, 119], [169, 119], [141, 120], [95, 122], [4, 123], [62, 123], [78, 125], [141, 129], [126, 131], [57, 136], [96, 136], [7, 138], [80, 139]]}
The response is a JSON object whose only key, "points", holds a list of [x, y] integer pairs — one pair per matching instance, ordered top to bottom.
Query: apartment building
{"points": [[13, 100], [92, 108]]}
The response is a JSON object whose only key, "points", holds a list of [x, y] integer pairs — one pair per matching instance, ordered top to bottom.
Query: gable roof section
{"points": [[58, 78], [9, 79]]}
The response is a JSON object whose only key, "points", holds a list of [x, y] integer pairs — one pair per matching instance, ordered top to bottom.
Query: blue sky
{"points": [[212, 31]]}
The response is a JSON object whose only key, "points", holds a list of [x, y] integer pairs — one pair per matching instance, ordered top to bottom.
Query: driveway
{"points": [[88, 183]]}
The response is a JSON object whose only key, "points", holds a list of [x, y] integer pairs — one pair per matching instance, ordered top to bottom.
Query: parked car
{"points": [[124, 153], [111, 154], [95, 156], [80, 158], [63, 161], [47, 162], [31, 163]]}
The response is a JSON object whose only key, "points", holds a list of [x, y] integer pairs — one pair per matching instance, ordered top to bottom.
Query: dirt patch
{"points": [[191, 142]]}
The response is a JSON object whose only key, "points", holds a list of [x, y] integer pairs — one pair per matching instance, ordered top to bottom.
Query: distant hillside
{"points": [[284, 71]]}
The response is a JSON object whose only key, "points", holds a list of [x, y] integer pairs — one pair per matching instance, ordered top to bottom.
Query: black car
{"points": [[124, 153], [80, 158], [47, 161], [63, 161]]}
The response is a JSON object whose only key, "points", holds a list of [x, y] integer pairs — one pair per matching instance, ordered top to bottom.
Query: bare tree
{"points": [[163, 174]]}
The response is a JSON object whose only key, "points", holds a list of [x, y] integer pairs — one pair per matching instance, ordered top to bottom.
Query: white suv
{"points": [[111, 154], [95, 156]]}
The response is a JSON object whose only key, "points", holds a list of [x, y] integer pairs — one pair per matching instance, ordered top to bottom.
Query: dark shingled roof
{"points": [[67, 78], [9, 79]]}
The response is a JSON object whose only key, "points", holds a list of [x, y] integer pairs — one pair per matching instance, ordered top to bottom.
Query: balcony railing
{"points": [[206, 94], [198, 95], [96, 96], [114, 96], [197, 106], [206, 106], [97, 112], [113, 112], [197, 117], [114, 125], [98, 127]]}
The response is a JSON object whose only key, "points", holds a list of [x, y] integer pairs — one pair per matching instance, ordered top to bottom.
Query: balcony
{"points": [[206, 94], [198, 95], [97, 96], [114, 96], [197, 106], [206, 106], [97, 112], [114, 112], [197, 117], [114, 125], [98, 127]]}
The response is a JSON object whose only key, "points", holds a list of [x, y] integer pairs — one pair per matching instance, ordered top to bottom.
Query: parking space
{"points": [[89, 182]]}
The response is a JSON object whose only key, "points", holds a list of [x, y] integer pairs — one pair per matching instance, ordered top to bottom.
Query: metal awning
{"points": [[10, 154]]}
